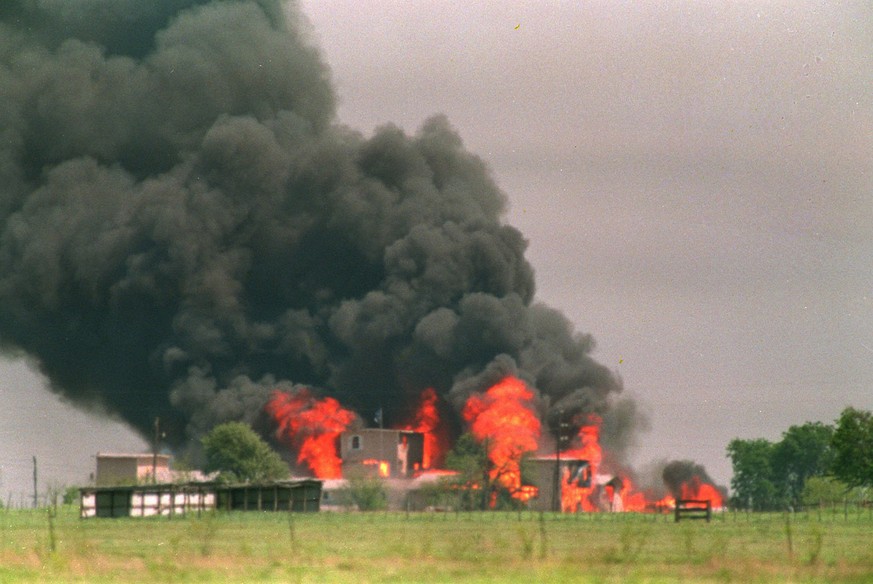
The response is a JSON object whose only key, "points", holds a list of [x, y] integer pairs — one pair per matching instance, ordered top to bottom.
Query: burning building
{"points": [[382, 453], [560, 483]]}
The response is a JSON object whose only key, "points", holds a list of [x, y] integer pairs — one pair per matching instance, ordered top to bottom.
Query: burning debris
{"points": [[687, 480]]}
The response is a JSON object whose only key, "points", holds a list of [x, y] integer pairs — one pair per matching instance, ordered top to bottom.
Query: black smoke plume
{"points": [[184, 226], [677, 473]]}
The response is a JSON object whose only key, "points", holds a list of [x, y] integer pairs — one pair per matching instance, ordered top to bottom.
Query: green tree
{"points": [[852, 444], [803, 452], [239, 454], [469, 458], [753, 482], [479, 483], [823, 491], [368, 494], [71, 496]]}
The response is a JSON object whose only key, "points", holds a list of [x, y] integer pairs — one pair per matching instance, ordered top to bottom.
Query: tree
{"points": [[852, 444], [803, 452], [239, 454], [469, 458], [771, 475], [753, 482], [480, 483], [823, 491], [367, 494], [71, 496]]}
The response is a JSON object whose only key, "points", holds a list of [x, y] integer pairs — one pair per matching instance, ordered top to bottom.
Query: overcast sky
{"points": [[695, 181]]}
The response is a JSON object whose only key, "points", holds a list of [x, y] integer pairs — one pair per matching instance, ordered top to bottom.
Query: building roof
{"points": [[138, 456], [199, 486]]}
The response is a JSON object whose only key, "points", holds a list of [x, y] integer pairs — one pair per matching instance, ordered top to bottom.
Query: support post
{"points": [[155, 451], [35, 495]]}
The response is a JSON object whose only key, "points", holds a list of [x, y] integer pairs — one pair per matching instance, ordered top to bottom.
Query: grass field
{"points": [[435, 547]]}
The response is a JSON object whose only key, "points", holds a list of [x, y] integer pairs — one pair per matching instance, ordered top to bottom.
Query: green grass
{"points": [[431, 548]]}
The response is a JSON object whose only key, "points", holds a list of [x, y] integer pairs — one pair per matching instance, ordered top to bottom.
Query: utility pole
{"points": [[380, 415], [560, 438], [155, 450], [35, 496]]}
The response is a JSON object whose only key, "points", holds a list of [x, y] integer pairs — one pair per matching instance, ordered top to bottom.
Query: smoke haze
{"points": [[184, 227]]}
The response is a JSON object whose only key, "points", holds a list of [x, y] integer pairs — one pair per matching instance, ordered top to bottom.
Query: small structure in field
{"points": [[179, 499], [693, 509]]}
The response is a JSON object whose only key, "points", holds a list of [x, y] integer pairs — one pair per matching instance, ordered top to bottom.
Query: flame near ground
{"points": [[504, 420]]}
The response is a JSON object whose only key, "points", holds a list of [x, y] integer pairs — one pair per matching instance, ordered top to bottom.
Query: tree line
{"points": [[811, 463]]}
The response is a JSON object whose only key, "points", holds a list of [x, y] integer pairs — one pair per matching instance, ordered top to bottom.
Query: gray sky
{"points": [[695, 181]]}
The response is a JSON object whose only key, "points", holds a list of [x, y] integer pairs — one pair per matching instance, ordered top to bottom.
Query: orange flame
{"points": [[502, 417], [427, 421], [312, 427], [588, 440], [384, 468], [697, 489], [526, 493], [573, 496], [593, 498], [633, 500]]}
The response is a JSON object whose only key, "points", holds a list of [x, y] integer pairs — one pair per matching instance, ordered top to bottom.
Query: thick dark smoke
{"points": [[185, 227]]}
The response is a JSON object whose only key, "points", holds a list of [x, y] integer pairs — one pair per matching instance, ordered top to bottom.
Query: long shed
{"points": [[300, 495], [179, 499]]}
